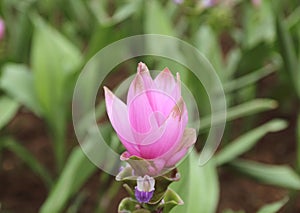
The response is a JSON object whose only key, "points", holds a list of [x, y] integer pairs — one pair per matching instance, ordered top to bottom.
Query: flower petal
{"points": [[165, 81], [140, 83], [140, 113], [118, 115], [166, 136], [177, 152]]}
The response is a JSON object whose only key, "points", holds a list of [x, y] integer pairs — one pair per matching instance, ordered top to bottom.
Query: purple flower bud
{"points": [[178, 1], [209, 3], [2, 29], [145, 189]]}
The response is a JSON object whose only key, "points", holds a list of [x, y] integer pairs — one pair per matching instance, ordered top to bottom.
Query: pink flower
{"points": [[256, 3], [2, 29], [152, 125]]}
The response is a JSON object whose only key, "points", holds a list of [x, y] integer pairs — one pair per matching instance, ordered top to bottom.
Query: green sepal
{"points": [[171, 199], [127, 205]]}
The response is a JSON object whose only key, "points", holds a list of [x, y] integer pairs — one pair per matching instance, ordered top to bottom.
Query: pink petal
{"points": [[143, 70], [165, 81], [140, 83], [161, 102], [140, 113], [118, 115], [165, 137], [131, 147], [177, 152]]}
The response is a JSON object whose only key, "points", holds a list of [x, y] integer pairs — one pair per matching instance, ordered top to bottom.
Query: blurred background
{"points": [[254, 46]]}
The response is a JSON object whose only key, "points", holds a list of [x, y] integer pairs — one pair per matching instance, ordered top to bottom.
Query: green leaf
{"points": [[99, 8], [156, 19], [257, 20], [206, 41], [288, 53], [54, 61], [52, 68], [249, 79], [17, 81], [8, 109], [242, 110], [245, 142], [28, 159], [76, 171], [281, 176], [199, 186], [171, 200], [127, 205], [273, 207]]}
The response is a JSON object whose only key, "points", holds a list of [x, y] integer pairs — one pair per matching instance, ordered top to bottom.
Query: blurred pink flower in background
{"points": [[178, 1], [256, 2], [209, 3], [2, 28], [153, 124]]}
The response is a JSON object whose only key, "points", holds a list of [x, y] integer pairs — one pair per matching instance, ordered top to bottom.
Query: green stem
{"points": [[59, 129]]}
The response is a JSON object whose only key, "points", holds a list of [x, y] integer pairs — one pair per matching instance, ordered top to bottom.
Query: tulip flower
{"points": [[152, 126]]}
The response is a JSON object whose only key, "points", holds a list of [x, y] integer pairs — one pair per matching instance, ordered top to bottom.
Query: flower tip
{"points": [[142, 68], [166, 70], [178, 77], [107, 92]]}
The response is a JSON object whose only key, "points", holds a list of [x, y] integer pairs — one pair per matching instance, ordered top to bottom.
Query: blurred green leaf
{"points": [[123, 12], [156, 19], [293, 19], [257, 20], [18, 28], [207, 42], [288, 53], [54, 60], [232, 61], [52, 68], [249, 79], [17, 81], [8, 109], [242, 110], [245, 142], [32, 162], [76, 171], [281, 176], [199, 186], [273, 207]]}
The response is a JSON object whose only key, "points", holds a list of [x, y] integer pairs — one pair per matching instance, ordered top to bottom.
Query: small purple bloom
{"points": [[178, 1], [209, 3], [2, 29], [145, 189]]}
